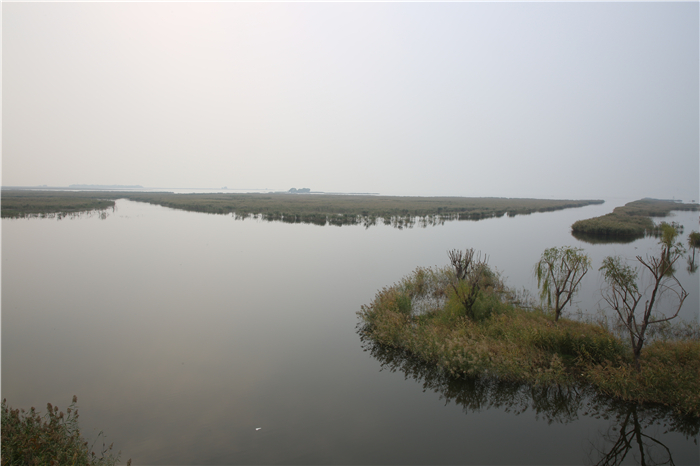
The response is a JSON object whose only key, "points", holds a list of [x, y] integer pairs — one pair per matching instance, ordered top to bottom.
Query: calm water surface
{"points": [[181, 333]]}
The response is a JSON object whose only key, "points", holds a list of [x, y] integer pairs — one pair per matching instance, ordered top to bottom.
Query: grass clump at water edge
{"points": [[424, 315], [52, 439]]}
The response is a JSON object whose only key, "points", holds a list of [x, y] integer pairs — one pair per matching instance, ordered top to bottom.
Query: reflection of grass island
{"points": [[319, 209], [629, 221], [553, 403]]}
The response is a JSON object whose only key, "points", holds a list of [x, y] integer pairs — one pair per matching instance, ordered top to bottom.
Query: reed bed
{"points": [[26, 203], [317, 209], [629, 221]]}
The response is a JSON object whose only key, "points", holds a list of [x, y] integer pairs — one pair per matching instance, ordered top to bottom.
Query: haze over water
{"points": [[183, 333]]}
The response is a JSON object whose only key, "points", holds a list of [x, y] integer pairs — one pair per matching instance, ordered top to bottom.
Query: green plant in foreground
{"points": [[52, 439]]}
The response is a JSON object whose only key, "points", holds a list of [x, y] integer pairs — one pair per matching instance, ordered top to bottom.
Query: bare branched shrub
{"points": [[471, 276], [664, 293]]}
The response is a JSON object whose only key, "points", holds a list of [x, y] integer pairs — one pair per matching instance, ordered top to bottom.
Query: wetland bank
{"points": [[318, 209], [202, 328]]}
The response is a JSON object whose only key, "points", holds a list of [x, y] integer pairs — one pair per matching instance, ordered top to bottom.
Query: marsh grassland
{"points": [[27, 203], [317, 209], [631, 221], [512, 340]]}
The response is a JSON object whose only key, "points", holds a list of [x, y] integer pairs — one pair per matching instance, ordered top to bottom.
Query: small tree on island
{"points": [[693, 244], [559, 273], [622, 293]]}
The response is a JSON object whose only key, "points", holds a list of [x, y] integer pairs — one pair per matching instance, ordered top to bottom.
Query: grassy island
{"points": [[27, 203], [318, 209], [629, 221], [503, 339]]}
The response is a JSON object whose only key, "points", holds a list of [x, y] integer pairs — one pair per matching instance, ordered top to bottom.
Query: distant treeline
{"points": [[318, 209], [632, 220]]}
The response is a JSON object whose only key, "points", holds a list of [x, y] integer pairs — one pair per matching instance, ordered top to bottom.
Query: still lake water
{"points": [[182, 333]]}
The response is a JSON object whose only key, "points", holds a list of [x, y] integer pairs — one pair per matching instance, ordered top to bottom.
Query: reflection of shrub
{"points": [[28, 439]]}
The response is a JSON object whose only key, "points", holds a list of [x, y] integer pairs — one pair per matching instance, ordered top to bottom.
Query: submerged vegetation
{"points": [[317, 209], [629, 221], [504, 338], [53, 439]]}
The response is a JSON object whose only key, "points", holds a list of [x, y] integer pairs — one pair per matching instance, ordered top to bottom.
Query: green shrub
{"points": [[403, 303], [52, 439]]}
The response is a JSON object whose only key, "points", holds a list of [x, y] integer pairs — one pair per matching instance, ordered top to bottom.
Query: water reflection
{"points": [[101, 214], [400, 222], [597, 239], [634, 432], [631, 435]]}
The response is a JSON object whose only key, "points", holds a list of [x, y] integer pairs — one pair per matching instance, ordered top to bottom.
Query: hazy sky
{"points": [[565, 100]]}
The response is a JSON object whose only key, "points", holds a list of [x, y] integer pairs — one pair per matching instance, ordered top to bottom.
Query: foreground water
{"points": [[183, 333]]}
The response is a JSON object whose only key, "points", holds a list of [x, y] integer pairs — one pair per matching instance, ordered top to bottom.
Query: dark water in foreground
{"points": [[181, 333]]}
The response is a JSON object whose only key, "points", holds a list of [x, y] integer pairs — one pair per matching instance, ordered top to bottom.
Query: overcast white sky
{"points": [[564, 100]]}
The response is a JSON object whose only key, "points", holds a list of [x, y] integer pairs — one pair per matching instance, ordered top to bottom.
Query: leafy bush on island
{"points": [[559, 273], [500, 337], [53, 439]]}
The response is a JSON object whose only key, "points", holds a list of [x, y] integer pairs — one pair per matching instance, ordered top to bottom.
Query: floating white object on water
{"points": [[258, 428]]}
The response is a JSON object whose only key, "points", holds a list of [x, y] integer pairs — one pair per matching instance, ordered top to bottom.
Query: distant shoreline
{"points": [[317, 209]]}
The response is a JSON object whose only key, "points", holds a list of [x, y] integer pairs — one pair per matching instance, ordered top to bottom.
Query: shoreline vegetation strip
{"points": [[320, 209], [633, 220]]}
